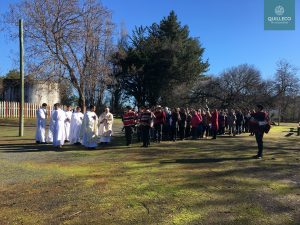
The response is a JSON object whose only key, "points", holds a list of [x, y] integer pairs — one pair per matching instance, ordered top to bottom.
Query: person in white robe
{"points": [[41, 116], [58, 117], [106, 120], [76, 122], [68, 123], [51, 128], [89, 128]]}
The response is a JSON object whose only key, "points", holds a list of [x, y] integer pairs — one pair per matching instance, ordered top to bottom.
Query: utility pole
{"points": [[21, 103]]}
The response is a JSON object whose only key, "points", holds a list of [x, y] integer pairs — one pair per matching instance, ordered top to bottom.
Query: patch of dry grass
{"points": [[187, 182]]}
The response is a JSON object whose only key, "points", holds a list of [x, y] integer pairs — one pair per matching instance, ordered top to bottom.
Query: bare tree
{"points": [[69, 36], [240, 86], [286, 86]]}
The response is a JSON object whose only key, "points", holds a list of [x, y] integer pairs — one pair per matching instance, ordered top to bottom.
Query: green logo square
{"points": [[279, 15]]}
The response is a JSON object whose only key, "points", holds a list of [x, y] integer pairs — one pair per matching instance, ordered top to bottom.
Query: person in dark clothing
{"points": [[175, 119], [231, 119], [129, 121], [239, 121], [247, 121], [259, 121], [145, 123], [182, 123], [214, 123], [221, 123], [188, 124], [166, 134]]}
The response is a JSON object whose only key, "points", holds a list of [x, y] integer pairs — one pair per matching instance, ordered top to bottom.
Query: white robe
{"points": [[58, 118], [76, 122], [68, 124], [105, 127], [51, 128], [89, 129], [40, 134]]}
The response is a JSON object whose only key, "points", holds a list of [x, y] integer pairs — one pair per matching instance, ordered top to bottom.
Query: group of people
{"points": [[150, 124], [159, 124], [73, 126]]}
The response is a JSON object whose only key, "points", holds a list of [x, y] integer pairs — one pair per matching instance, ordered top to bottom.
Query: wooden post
{"points": [[21, 114]]}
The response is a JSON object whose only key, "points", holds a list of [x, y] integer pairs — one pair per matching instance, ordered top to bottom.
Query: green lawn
{"points": [[187, 182]]}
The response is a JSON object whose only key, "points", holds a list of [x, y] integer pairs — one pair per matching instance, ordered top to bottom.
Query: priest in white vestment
{"points": [[41, 115], [58, 117], [106, 120], [76, 122], [68, 123], [51, 128], [89, 128]]}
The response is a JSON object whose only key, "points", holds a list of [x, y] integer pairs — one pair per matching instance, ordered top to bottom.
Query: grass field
{"points": [[187, 182]]}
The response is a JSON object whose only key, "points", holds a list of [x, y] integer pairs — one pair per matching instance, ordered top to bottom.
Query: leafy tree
{"points": [[159, 58], [13, 74], [66, 93], [118, 97]]}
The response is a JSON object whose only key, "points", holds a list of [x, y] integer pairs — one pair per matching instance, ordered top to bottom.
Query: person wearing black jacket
{"points": [[174, 121], [239, 121], [259, 121], [145, 122], [182, 123]]}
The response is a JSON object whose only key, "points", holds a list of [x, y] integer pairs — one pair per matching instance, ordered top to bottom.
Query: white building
{"points": [[36, 91]]}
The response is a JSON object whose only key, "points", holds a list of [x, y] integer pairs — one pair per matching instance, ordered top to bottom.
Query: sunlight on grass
{"points": [[186, 182], [186, 216]]}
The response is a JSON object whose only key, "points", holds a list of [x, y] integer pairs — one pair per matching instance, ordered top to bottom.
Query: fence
{"points": [[12, 109]]}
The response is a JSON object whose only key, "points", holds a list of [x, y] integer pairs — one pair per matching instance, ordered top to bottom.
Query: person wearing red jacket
{"points": [[129, 121], [159, 121], [195, 123], [214, 123]]}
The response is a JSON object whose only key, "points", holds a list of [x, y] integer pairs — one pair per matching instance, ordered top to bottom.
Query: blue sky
{"points": [[231, 31]]}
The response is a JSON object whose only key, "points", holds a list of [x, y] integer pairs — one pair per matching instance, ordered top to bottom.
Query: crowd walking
{"points": [[155, 124], [158, 124], [73, 126]]}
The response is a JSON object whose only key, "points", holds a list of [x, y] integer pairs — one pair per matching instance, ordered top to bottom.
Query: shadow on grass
{"points": [[16, 125], [16, 138], [33, 147], [205, 160]]}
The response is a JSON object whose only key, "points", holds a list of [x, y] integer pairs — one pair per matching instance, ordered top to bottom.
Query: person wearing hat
{"points": [[129, 121], [259, 121]]}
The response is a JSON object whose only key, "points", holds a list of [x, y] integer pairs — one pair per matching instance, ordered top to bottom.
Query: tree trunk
{"points": [[81, 102]]}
